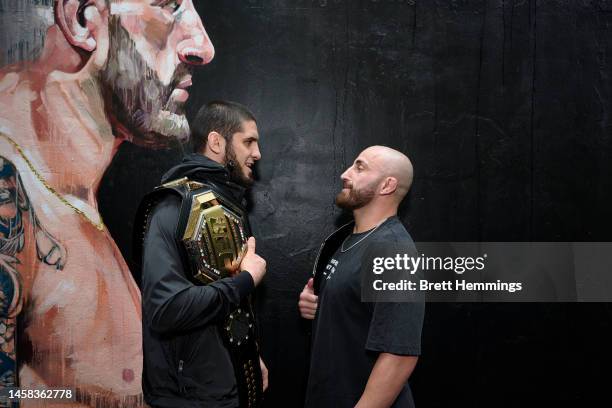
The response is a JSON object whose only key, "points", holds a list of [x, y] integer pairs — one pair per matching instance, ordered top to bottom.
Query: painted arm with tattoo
{"points": [[14, 207]]}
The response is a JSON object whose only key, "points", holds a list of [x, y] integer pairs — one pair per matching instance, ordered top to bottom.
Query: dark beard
{"points": [[137, 97], [236, 174], [356, 198]]}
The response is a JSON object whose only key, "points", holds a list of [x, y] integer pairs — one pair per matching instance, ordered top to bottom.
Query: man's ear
{"points": [[78, 19], [216, 143], [389, 186]]}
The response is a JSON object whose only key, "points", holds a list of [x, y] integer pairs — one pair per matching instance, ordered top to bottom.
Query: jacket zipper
{"points": [[314, 268], [181, 386]]}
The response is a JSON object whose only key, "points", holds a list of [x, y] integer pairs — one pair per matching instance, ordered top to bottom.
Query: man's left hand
{"points": [[264, 374]]}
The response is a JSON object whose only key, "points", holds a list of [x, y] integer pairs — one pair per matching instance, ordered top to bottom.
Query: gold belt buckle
{"points": [[215, 237]]}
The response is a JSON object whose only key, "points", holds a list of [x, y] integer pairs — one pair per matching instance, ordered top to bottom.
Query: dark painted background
{"points": [[504, 108]]}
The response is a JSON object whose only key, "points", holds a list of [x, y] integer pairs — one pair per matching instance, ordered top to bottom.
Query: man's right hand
{"points": [[253, 263], [308, 301]]}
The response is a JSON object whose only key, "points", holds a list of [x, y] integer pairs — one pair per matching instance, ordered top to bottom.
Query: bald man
{"points": [[363, 352]]}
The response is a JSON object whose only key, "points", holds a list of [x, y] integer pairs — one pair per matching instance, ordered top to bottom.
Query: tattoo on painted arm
{"points": [[14, 206]]}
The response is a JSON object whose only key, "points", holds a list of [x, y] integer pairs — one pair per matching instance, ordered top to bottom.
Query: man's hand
{"points": [[253, 263], [308, 301], [264, 374]]}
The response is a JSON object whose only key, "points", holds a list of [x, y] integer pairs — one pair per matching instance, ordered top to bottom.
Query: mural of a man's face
{"points": [[152, 46]]}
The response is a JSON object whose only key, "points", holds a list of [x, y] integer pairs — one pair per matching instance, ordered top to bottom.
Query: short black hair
{"points": [[223, 117]]}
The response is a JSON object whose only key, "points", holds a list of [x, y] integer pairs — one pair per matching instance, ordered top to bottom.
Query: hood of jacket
{"points": [[198, 167]]}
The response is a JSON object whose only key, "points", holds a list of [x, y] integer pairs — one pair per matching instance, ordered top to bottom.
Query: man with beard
{"points": [[110, 71], [363, 353], [186, 362]]}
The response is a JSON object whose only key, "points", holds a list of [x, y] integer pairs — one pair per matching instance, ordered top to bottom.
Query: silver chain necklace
{"points": [[342, 250]]}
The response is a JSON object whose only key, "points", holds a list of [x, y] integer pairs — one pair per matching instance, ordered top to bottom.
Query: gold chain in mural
{"points": [[99, 225]]}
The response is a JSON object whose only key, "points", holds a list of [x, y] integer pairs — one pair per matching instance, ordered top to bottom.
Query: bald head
{"points": [[392, 163], [378, 180]]}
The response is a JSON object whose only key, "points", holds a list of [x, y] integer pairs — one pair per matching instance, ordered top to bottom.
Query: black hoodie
{"points": [[200, 168], [185, 361]]}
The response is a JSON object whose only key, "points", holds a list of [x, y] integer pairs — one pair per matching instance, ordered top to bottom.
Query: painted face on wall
{"points": [[153, 44]]}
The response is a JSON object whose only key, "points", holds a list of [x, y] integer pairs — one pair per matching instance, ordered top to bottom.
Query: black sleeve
{"points": [[170, 301], [395, 326]]}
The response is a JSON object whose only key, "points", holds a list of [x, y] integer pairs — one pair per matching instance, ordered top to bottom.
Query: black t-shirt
{"points": [[349, 334]]}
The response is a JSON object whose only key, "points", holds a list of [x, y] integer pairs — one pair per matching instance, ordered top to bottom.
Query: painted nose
{"points": [[196, 47], [192, 53]]}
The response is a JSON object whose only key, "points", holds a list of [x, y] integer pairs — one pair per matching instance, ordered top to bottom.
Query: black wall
{"points": [[503, 106]]}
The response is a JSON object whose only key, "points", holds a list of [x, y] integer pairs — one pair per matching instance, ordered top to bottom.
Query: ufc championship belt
{"points": [[214, 232]]}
